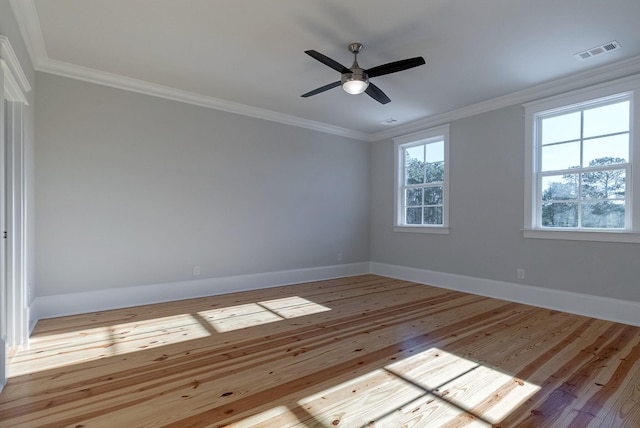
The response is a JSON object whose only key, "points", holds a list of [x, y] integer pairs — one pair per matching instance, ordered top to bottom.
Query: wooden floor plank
{"points": [[355, 351]]}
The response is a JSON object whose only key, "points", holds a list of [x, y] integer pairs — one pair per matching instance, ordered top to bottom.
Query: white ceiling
{"points": [[249, 54]]}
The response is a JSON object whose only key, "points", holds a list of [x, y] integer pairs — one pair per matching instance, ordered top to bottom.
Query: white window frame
{"points": [[629, 86], [439, 133]]}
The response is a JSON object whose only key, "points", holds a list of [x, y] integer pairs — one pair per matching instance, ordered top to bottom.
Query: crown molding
{"points": [[29, 24], [8, 55], [13, 81], [572, 82], [140, 86]]}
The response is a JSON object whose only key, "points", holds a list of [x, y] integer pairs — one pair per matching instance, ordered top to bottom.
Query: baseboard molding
{"points": [[115, 298], [616, 310], [621, 311]]}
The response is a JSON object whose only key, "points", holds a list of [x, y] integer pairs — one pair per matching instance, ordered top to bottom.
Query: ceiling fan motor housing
{"points": [[356, 74]]}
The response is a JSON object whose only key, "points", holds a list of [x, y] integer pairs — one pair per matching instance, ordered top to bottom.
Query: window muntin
{"points": [[583, 165], [421, 180]]}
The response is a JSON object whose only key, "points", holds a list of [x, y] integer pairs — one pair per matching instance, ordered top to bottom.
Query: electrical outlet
{"points": [[339, 257], [196, 270], [520, 273]]}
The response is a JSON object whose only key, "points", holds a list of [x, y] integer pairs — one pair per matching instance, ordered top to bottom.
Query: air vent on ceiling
{"points": [[607, 47], [389, 121]]}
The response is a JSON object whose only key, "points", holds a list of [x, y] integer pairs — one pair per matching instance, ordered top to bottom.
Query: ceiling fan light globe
{"points": [[355, 87]]}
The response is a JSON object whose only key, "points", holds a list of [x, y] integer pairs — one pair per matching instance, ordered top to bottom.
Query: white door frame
{"points": [[15, 195], [3, 244], [14, 318]]}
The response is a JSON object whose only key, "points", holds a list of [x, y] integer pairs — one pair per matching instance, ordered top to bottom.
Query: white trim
{"points": [[29, 24], [8, 54], [611, 71], [572, 82], [13, 85], [134, 85], [625, 87], [601, 90], [12, 91], [423, 134], [435, 134], [422, 229], [583, 235], [3, 245], [99, 300], [605, 308], [616, 310], [18, 330], [4, 351]]}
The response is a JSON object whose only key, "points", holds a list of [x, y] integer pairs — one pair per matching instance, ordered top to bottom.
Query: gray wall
{"points": [[134, 190], [486, 218]]}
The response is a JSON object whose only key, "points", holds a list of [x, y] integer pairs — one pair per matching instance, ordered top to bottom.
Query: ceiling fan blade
{"points": [[328, 61], [396, 66], [321, 89], [376, 93]]}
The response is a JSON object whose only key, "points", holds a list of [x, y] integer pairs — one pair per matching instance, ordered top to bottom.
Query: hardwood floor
{"points": [[350, 352]]}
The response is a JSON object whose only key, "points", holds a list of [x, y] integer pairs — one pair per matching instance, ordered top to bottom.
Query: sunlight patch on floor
{"points": [[293, 307], [253, 314], [75, 347], [50, 351], [433, 388], [477, 389], [280, 416]]}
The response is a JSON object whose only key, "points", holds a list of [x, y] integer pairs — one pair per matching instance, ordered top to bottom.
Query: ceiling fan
{"points": [[355, 80]]}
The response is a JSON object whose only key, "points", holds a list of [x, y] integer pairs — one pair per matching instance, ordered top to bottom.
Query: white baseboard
{"points": [[100, 300], [616, 310], [622, 311]]}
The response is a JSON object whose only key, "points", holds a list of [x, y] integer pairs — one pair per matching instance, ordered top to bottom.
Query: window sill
{"points": [[422, 229], [581, 235]]}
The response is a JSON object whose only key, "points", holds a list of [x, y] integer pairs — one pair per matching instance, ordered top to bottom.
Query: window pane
{"points": [[606, 120], [561, 128], [606, 151], [435, 152], [415, 153], [560, 156], [435, 172], [414, 174], [604, 184], [560, 187], [433, 195], [413, 197], [560, 214], [605, 214], [414, 215], [433, 215]]}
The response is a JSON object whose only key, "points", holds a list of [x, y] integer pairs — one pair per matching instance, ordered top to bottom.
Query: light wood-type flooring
{"points": [[364, 351]]}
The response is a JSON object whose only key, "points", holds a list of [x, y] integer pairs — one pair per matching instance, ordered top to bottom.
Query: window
{"points": [[579, 164], [422, 184]]}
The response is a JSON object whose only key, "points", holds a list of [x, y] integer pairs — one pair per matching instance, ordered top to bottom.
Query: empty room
{"points": [[319, 213]]}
